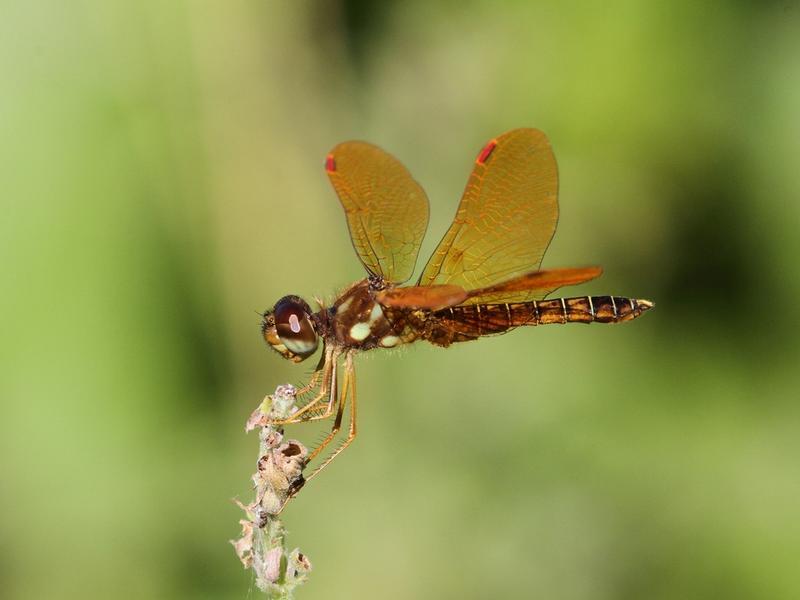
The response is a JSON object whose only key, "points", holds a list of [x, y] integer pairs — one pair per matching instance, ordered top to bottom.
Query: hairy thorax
{"points": [[358, 321]]}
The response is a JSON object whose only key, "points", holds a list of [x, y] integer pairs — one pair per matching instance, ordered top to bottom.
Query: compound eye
{"points": [[294, 327]]}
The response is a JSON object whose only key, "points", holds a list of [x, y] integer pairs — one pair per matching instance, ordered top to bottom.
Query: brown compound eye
{"points": [[294, 327]]}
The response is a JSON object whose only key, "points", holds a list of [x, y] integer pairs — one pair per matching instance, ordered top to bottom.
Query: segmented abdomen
{"points": [[468, 322]]}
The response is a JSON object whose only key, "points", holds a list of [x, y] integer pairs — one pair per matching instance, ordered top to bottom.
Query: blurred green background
{"points": [[162, 180]]}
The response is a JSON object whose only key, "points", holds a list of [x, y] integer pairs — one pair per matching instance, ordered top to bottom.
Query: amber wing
{"points": [[386, 210], [505, 221], [535, 285], [436, 297]]}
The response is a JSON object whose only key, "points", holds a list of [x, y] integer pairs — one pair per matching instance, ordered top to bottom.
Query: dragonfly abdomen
{"points": [[582, 309], [471, 321]]}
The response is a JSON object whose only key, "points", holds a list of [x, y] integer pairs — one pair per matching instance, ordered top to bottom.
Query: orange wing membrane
{"points": [[386, 210], [505, 221], [537, 285], [434, 297], [438, 297]]}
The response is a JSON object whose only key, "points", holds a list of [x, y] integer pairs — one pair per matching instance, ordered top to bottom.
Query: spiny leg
{"points": [[318, 370], [328, 381], [312, 383], [348, 391], [333, 400], [317, 408], [320, 413], [337, 422], [299, 481]]}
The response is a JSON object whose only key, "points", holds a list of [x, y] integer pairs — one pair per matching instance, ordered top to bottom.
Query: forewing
{"points": [[386, 210], [506, 218], [532, 286], [434, 297]]}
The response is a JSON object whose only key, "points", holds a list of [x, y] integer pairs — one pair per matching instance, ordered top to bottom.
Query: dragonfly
{"points": [[483, 279]]}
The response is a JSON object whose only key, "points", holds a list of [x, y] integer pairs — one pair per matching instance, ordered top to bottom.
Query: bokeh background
{"points": [[162, 180]]}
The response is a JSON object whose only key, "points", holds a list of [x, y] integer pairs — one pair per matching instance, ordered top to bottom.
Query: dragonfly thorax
{"points": [[357, 320]]}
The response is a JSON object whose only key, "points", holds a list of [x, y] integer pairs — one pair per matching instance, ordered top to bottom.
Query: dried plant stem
{"points": [[262, 546]]}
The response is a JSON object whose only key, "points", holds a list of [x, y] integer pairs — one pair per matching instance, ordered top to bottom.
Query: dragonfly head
{"points": [[289, 329]]}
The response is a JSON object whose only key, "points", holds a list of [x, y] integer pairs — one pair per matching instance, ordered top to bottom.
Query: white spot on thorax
{"points": [[344, 305], [375, 314], [294, 323], [363, 329], [360, 331], [389, 341]]}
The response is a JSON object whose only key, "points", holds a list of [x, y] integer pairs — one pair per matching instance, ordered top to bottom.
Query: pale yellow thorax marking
{"points": [[344, 305], [375, 314], [360, 331], [389, 341]]}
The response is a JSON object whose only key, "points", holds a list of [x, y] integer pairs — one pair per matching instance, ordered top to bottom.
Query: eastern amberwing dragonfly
{"points": [[483, 278]]}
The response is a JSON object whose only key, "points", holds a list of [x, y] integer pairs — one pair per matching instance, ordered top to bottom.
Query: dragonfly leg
{"points": [[318, 370], [313, 382], [328, 382], [348, 393], [318, 412], [298, 481]]}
